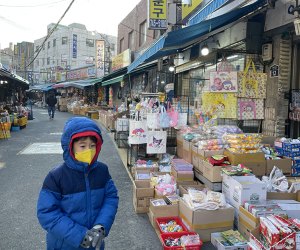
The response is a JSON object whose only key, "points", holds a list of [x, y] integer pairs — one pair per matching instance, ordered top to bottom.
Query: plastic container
{"points": [[165, 220], [178, 235]]}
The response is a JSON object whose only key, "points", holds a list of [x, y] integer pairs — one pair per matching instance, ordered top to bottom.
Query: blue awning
{"points": [[204, 12], [185, 37], [175, 41], [155, 51], [81, 84], [40, 87]]}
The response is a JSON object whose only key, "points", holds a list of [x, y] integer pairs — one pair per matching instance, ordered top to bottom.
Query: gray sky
{"points": [[22, 20]]}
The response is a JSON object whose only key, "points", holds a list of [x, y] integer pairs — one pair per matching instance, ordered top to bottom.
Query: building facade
{"points": [[133, 32], [68, 48]]}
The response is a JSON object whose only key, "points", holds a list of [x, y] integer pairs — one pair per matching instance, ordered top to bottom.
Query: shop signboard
{"points": [[189, 9], [157, 14], [74, 46], [100, 49], [121, 60], [81, 73]]}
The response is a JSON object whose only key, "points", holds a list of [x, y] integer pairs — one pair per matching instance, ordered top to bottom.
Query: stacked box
{"points": [[292, 150], [142, 193]]}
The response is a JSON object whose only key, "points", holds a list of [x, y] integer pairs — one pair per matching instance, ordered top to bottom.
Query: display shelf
{"points": [[214, 186]]}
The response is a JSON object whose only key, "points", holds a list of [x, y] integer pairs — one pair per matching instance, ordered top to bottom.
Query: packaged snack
{"points": [[280, 225], [269, 231], [234, 238]]}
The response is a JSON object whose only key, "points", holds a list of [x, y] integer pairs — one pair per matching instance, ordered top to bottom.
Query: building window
{"points": [[143, 32], [64, 40], [131, 40], [54, 42], [89, 42], [49, 45], [121, 45], [44, 47], [37, 48], [48, 60], [43, 61], [37, 63]]}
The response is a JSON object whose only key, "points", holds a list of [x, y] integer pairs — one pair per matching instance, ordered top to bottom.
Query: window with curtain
{"points": [[143, 33]]}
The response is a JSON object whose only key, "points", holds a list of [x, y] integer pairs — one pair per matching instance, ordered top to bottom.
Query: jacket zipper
{"points": [[88, 197]]}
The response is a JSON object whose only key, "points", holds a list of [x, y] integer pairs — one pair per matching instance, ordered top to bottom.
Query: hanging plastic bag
{"points": [[164, 119]]}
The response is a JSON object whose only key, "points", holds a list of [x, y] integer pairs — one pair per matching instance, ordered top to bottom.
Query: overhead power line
{"points": [[50, 33]]}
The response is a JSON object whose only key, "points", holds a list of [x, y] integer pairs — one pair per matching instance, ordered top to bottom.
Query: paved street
{"points": [[22, 171]]}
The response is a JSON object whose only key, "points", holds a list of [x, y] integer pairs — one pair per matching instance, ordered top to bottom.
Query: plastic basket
{"points": [[22, 121], [178, 221], [178, 235]]}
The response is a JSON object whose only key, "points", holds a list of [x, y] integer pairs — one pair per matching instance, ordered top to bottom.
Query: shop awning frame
{"points": [[176, 41], [112, 80]]}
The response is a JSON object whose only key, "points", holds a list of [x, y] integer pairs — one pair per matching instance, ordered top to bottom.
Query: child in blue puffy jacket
{"points": [[78, 201]]}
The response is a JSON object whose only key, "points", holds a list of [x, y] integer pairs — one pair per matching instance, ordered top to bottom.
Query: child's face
{"points": [[83, 144]]}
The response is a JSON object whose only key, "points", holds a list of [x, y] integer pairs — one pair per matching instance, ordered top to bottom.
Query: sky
{"points": [[22, 20]]}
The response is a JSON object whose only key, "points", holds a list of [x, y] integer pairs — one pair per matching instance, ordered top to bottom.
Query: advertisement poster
{"points": [[223, 81]]}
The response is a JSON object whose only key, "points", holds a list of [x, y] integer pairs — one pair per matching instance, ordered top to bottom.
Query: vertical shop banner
{"points": [[157, 15], [74, 46], [100, 47], [223, 81], [223, 105]]}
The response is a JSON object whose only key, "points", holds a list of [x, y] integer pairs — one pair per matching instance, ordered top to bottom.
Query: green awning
{"points": [[112, 81]]}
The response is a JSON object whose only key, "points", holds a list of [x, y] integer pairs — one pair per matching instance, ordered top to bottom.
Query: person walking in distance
{"points": [[51, 102]]}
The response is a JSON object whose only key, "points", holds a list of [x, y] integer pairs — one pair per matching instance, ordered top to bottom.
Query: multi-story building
{"points": [[68, 48], [23, 55], [7, 57]]}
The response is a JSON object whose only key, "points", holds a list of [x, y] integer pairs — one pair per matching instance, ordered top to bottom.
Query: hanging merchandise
{"points": [[224, 79], [252, 84], [110, 102], [224, 105], [249, 109], [173, 115], [152, 116], [182, 117], [164, 119], [137, 132], [156, 142]]}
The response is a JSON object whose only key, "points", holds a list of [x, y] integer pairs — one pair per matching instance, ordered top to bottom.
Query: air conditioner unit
{"points": [[267, 53]]}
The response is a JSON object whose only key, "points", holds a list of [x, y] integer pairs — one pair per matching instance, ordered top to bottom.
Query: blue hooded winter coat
{"points": [[76, 196]]}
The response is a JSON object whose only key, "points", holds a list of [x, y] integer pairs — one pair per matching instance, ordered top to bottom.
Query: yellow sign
{"points": [[187, 9], [157, 14], [121, 60]]}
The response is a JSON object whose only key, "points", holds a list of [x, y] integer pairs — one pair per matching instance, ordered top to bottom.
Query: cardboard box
{"points": [[179, 137], [269, 140], [179, 150], [187, 151], [209, 153], [195, 156], [236, 158], [285, 164], [201, 165], [258, 168], [143, 170], [212, 173], [182, 175], [142, 188], [183, 189], [239, 189], [142, 193], [281, 196], [141, 205], [164, 211], [205, 222], [247, 222], [216, 239]]}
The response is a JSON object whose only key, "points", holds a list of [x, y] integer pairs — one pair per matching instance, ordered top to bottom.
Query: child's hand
{"points": [[99, 233]]}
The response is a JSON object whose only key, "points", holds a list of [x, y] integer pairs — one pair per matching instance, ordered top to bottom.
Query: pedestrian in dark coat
{"points": [[51, 102], [78, 201]]}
